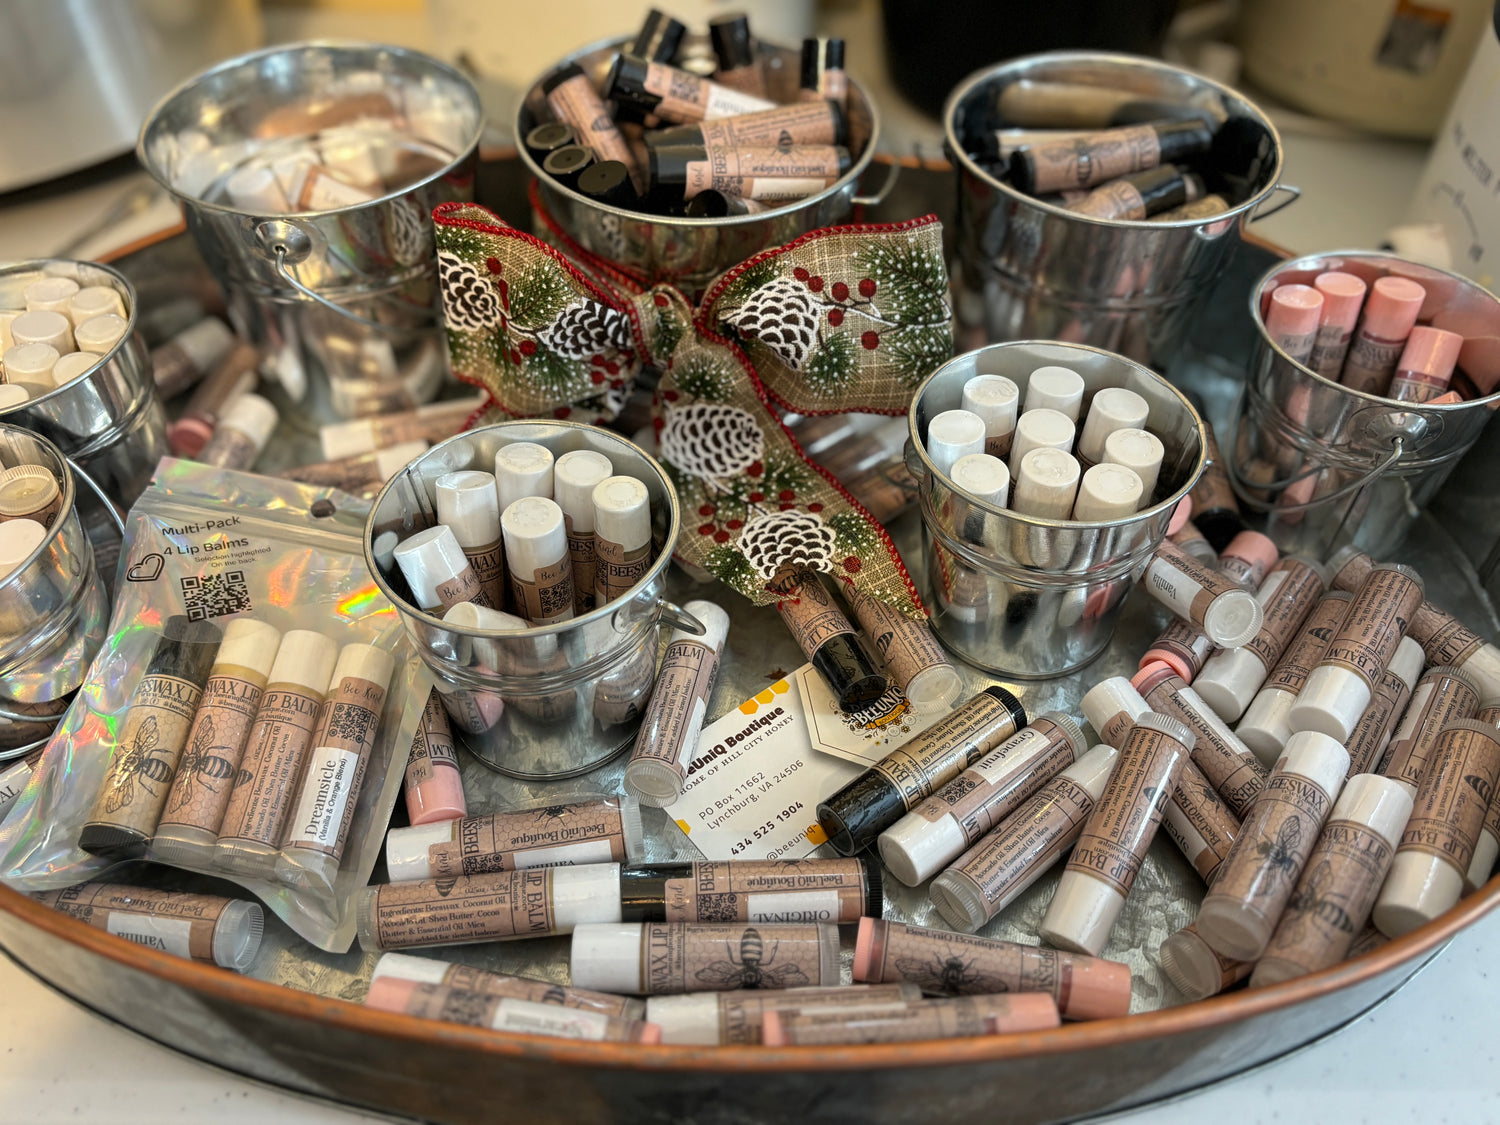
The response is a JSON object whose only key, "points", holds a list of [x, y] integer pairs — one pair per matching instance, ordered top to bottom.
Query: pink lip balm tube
{"points": [[1343, 295], [1390, 313], [1292, 319], [1426, 365]]}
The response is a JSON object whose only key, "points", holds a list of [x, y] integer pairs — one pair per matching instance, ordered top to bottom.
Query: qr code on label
{"points": [[215, 595]]}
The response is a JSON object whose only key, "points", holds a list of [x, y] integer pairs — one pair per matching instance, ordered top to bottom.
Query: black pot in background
{"points": [[931, 44]]}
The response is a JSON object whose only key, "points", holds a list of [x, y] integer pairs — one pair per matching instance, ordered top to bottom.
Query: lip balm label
{"points": [[686, 97], [577, 102], [808, 123], [1081, 162], [1117, 200], [1370, 362], [581, 554], [488, 564], [618, 569], [1177, 580], [462, 587], [1290, 592], [548, 595], [808, 609], [1377, 621], [1185, 641], [1447, 642], [1309, 645], [907, 647], [683, 688], [1438, 700], [948, 746], [432, 747], [145, 753], [272, 764], [336, 767], [206, 771], [1238, 777], [990, 789], [1454, 798], [1199, 824], [556, 836], [1116, 837], [1029, 842], [1274, 842], [826, 891], [464, 909], [173, 922], [170, 935], [688, 957], [951, 964], [466, 978], [742, 1014], [541, 1019]]}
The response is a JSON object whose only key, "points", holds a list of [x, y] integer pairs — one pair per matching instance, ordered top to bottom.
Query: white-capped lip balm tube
{"points": [[53, 294], [95, 300], [44, 327], [98, 334], [31, 364], [72, 365], [1055, 388], [996, 400], [1112, 408], [1039, 429], [954, 434], [1139, 451], [522, 468], [575, 476], [984, 476], [1046, 485], [1107, 492], [468, 506], [622, 536], [18, 539], [536, 548], [436, 569], [1229, 615], [911, 653], [1441, 695], [1264, 726], [1372, 735], [666, 958], [428, 970], [709, 1019]]}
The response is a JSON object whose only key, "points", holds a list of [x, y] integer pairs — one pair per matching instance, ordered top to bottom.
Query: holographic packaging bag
{"points": [[218, 545]]}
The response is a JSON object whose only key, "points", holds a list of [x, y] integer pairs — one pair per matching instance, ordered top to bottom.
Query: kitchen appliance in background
{"points": [[1386, 65], [77, 78]]}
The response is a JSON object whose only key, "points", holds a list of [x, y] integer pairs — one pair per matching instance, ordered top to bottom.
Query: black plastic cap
{"points": [[659, 37], [733, 46], [549, 138], [567, 162], [608, 181], [1012, 704], [874, 888]]}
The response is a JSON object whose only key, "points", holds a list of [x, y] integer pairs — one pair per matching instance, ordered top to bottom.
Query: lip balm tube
{"points": [[659, 37], [733, 46], [822, 73], [639, 88], [572, 97], [822, 122], [1084, 162], [566, 164], [256, 189], [1141, 194], [53, 294], [1343, 295], [96, 300], [1390, 313], [1292, 319], [43, 327], [100, 333], [31, 363], [1426, 365], [69, 367], [235, 375], [1055, 388], [13, 394], [993, 399], [1112, 409], [431, 423], [1042, 428], [241, 434], [954, 434], [1139, 451], [523, 468], [362, 472], [575, 476], [983, 476], [1046, 484], [29, 492], [1107, 492], [468, 506], [1216, 509], [622, 536], [18, 539], [1248, 559], [438, 571], [540, 572], [1228, 615], [826, 637], [1444, 639], [1183, 647], [911, 653], [1231, 678], [1338, 690], [1441, 696], [478, 711], [290, 713], [1264, 727], [669, 731], [150, 740], [1367, 745], [433, 785], [857, 814], [1447, 816], [1200, 823], [188, 825], [606, 830], [925, 840], [312, 846], [1024, 846], [1486, 847], [1108, 855], [1339, 885], [754, 891], [498, 906], [1241, 909], [219, 931], [667, 958], [944, 963], [1195, 970], [465, 978], [504, 1013], [725, 1018], [958, 1018]]}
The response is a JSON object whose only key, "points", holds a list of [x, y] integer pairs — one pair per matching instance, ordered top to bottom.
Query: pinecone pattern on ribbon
{"points": [[406, 236], [470, 303], [781, 315], [585, 329], [710, 440], [791, 538]]}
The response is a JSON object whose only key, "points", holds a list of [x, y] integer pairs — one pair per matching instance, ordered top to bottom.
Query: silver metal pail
{"points": [[689, 253], [1040, 271], [343, 302], [109, 419], [1332, 466], [1033, 598], [54, 607], [546, 702]]}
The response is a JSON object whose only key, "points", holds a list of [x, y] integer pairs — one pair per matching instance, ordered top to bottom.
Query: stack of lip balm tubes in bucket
{"points": [[64, 330]]}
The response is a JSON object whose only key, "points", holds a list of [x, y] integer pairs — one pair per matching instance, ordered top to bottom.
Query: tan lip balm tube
{"points": [[995, 400], [435, 422], [574, 478], [468, 506], [622, 536], [540, 570], [1228, 615], [911, 653], [1441, 695], [1264, 726], [1372, 734], [433, 785], [1447, 817], [1108, 855], [1337, 890], [1241, 909], [220, 931], [666, 958], [427, 970], [1195, 970], [504, 1013], [709, 1019], [922, 1019]]}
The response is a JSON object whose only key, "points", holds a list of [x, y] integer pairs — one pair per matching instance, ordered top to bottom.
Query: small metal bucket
{"points": [[689, 253], [1040, 271], [348, 294], [108, 420], [1332, 466], [1033, 598], [54, 607], [547, 702]]}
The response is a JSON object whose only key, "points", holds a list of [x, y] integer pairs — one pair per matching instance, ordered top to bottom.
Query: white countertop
{"points": [[1426, 1055]]}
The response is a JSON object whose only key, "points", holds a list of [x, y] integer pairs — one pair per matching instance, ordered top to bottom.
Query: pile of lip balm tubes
{"points": [[63, 331]]}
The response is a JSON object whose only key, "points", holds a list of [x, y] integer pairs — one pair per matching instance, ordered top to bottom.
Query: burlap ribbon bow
{"points": [[843, 319]]}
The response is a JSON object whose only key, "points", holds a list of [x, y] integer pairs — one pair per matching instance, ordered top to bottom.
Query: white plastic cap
{"points": [[51, 293], [44, 327], [100, 333], [204, 343], [31, 363], [70, 366], [1055, 388], [13, 394], [995, 399], [1112, 408], [252, 416], [1038, 429], [954, 434], [348, 439], [1140, 451], [522, 468], [983, 477], [574, 478], [1046, 484], [1108, 492], [468, 506], [622, 512], [534, 534], [18, 538], [427, 560], [468, 615], [1233, 618], [714, 620], [250, 644], [305, 658], [1408, 661], [1229, 681], [1108, 698], [1331, 701], [1265, 728], [1317, 757], [1092, 771], [1381, 803], [915, 848], [1486, 851], [406, 856], [1418, 889], [588, 893], [1082, 914], [607, 958], [402, 966], [692, 1018]]}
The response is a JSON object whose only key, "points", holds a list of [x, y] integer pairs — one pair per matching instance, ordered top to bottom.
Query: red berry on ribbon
{"points": [[494, 265], [800, 274], [815, 284], [866, 288], [840, 291], [660, 300], [835, 317], [870, 341], [528, 347], [515, 356], [612, 367], [597, 376], [670, 396], [562, 412], [755, 469], [787, 494], [757, 497], [815, 508], [705, 509], [735, 525], [707, 529], [721, 537], [852, 565]]}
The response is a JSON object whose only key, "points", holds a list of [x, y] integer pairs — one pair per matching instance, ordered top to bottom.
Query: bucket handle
{"points": [[887, 186], [1292, 195], [288, 243], [680, 618], [30, 747]]}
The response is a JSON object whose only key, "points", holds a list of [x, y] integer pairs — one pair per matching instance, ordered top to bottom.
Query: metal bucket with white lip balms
{"points": [[691, 252], [1036, 270], [339, 292], [108, 420], [1332, 466], [1028, 597], [54, 607], [551, 701]]}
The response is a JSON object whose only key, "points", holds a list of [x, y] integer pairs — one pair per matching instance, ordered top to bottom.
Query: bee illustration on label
{"points": [[137, 763], [202, 763], [1481, 787], [552, 812], [1280, 855], [1314, 899], [749, 967], [949, 976], [464, 1007]]}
